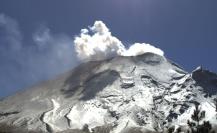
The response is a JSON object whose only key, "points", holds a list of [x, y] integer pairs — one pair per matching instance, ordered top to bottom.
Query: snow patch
{"points": [[87, 113], [51, 116]]}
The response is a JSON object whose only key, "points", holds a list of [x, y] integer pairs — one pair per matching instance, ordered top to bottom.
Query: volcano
{"points": [[144, 93]]}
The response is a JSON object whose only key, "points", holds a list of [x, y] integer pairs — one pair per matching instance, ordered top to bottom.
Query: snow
{"points": [[197, 69], [182, 80], [157, 92], [208, 107], [210, 111], [88, 114], [51, 116], [124, 123]]}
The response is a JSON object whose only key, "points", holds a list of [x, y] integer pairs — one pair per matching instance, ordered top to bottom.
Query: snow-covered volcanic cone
{"points": [[144, 92]]}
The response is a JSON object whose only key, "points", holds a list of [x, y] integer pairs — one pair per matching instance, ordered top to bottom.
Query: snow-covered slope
{"points": [[147, 92]]}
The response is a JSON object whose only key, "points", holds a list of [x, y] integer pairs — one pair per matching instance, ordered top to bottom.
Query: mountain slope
{"points": [[146, 92]]}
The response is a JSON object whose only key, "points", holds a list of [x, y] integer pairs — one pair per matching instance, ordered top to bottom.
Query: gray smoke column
{"points": [[97, 43]]}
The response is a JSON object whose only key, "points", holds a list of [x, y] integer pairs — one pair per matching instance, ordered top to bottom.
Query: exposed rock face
{"points": [[145, 92]]}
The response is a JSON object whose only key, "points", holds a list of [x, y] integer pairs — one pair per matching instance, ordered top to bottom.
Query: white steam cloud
{"points": [[97, 43], [99, 46], [141, 48]]}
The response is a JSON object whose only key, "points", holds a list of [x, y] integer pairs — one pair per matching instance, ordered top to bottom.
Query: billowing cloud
{"points": [[97, 43], [99, 46], [141, 48]]}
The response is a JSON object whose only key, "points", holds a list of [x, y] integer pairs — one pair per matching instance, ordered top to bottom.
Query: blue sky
{"points": [[36, 37]]}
